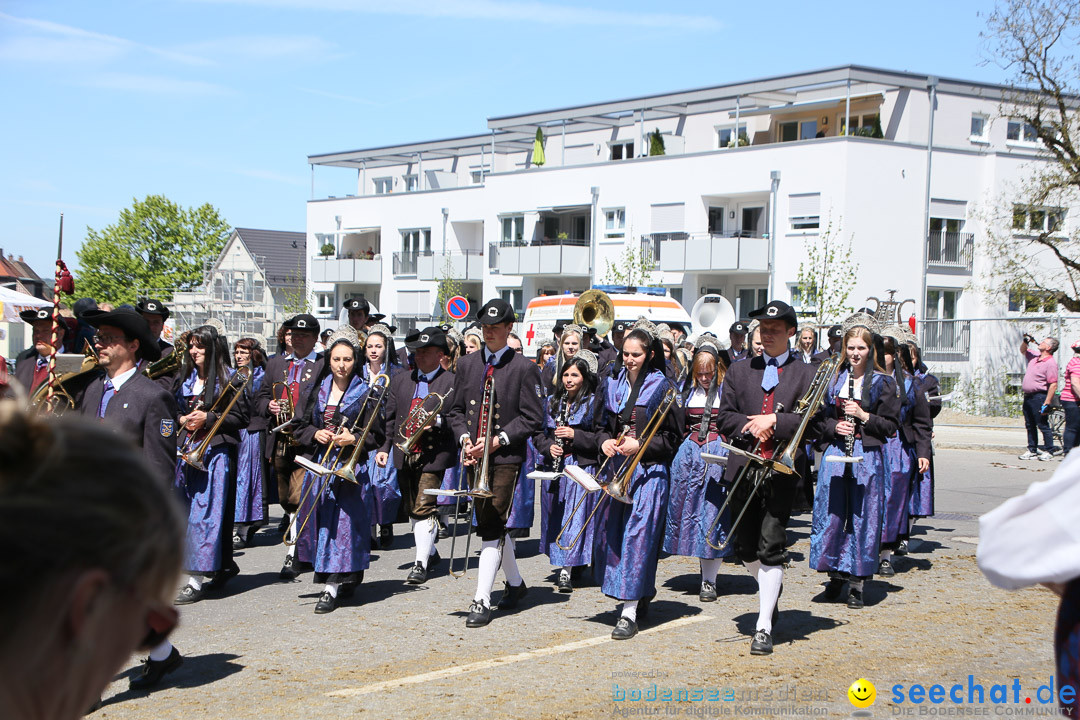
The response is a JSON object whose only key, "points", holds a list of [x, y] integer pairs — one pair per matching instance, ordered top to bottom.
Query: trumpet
{"points": [[283, 419], [418, 422], [196, 456], [619, 486]]}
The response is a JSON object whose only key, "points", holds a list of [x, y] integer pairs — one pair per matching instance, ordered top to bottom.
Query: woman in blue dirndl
{"points": [[569, 438], [696, 491], [209, 494], [384, 494], [921, 499], [850, 500], [251, 502], [341, 516], [627, 544]]}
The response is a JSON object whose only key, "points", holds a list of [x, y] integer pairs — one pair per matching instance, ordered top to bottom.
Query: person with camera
{"points": [[1039, 386]]}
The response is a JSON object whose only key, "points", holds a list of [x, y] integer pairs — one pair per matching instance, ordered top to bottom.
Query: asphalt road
{"points": [[403, 651]]}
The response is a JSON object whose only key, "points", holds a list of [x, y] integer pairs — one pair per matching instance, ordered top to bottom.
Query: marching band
{"points": [[639, 442]]}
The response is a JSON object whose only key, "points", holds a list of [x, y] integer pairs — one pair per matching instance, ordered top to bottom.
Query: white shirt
{"points": [[310, 357], [494, 358], [780, 359], [122, 378], [698, 397]]}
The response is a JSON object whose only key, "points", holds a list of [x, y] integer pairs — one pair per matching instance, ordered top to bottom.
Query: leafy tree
{"points": [[155, 244], [1029, 250], [634, 268], [825, 277], [449, 287], [295, 297]]}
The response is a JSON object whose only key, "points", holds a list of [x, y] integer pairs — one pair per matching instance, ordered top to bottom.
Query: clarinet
{"points": [[850, 418], [561, 421]]}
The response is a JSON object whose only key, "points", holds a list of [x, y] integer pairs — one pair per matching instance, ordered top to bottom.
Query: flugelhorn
{"points": [[418, 421], [196, 456]]}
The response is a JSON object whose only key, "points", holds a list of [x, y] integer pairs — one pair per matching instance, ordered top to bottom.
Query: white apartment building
{"points": [[912, 184]]}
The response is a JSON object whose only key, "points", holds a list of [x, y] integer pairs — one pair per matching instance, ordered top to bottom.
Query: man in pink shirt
{"points": [[1040, 384]]}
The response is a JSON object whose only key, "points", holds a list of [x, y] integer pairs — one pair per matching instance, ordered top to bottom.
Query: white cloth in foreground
{"points": [[1035, 537]]}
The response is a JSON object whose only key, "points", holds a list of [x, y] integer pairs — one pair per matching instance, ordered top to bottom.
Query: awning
{"points": [[788, 108], [13, 302]]}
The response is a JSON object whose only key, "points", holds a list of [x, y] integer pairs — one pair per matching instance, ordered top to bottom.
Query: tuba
{"points": [[594, 309], [65, 385]]}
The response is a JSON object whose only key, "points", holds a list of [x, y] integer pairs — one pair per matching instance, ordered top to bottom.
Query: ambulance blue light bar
{"points": [[622, 289]]}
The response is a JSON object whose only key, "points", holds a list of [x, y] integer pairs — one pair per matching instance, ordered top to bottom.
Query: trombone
{"points": [[196, 456], [763, 467], [326, 469], [619, 486]]}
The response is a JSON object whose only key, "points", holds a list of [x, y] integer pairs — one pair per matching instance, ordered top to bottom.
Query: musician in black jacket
{"points": [[155, 313], [32, 364], [290, 379], [754, 390], [517, 414], [423, 467]]}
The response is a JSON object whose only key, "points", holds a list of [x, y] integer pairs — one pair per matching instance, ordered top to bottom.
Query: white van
{"points": [[543, 312]]}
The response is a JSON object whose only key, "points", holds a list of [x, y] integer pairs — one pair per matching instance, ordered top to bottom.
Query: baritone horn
{"points": [[594, 309]]}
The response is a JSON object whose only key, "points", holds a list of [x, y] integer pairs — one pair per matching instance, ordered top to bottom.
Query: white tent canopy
{"points": [[13, 302]]}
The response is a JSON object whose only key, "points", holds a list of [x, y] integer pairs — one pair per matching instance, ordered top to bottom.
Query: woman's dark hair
{"points": [[281, 338], [888, 346], [654, 349], [258, 355], [390, 356], [216, 363], [587, 387]]}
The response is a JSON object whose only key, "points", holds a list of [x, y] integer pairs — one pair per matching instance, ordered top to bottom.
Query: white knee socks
{"points": [[425, 532], [490, 557], [509, 562], [710, 568], [770, 578], [195, 582], [332, 588], [629, 609], [161, 652]]}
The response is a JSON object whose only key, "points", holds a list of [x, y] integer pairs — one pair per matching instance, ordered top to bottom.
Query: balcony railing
{"points": [[950, 250], [703, 252], [550, 257], [405, 263], [467, 265], [346, 270], [407, 323], [946, 339]]}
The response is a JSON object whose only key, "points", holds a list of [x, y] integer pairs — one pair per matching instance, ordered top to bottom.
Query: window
{"points": [[868, 125], [978, 127], [798, 130], [1019, 131], [725, 136], [622, 150], [477, 177], [412, 182], [384, 186], [804, 211], [716, 220], [1035, 221], [615, 222], [513, 230], [416, 241], [676, 294], [513, 297], [751, 299], [803, 302], [1031, 302], [324, 303], [941, 303]]}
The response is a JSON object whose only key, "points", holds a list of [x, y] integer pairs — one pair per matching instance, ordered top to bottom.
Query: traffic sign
{"points": [[457, 307]]}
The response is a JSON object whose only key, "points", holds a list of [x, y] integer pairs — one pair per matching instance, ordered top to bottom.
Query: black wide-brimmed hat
{"points": [[153, 307], [777, 310], [494, 312], [42, 313], [303, 322], [133, 324], [428, 337]]}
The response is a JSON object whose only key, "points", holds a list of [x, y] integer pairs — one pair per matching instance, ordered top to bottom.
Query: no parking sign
{"points": [[457, 307]]}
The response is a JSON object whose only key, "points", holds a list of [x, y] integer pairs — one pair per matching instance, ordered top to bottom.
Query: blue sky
{"points": [[221, 101]]}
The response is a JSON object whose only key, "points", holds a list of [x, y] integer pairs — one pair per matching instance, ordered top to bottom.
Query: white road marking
{"points": [[504, 660]]}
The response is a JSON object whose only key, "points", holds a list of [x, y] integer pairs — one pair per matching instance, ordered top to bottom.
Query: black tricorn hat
{"points": [[42, 313], [134, 326]]}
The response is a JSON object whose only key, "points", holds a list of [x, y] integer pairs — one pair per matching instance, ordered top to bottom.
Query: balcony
{"points": [[707, 252], [950, 252], [552, 257], [405, 263], [467, 266], [346, 270], [945, 340]]}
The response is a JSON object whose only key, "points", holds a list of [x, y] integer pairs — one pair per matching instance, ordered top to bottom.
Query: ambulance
{"points": [[543, 312]]}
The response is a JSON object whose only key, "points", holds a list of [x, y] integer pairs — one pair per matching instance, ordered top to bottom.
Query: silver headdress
{"points": [[860, 320], [646, 326], [571, 328], [381, 329], [344, 332], [896, 332], [257, 337], [708, 341], [590, 359]]}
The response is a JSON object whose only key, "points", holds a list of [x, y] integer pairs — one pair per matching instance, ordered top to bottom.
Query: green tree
{"points": [[656, 143], [155, 244], [1030, 249], [634, 268], [824, 278], [449, 287], [295, 297]]}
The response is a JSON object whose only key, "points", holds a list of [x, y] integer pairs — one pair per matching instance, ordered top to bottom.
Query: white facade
{"points": [[706, 208]]}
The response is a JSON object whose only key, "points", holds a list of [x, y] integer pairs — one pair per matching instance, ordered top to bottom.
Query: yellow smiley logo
{"points": [[862, 693]]}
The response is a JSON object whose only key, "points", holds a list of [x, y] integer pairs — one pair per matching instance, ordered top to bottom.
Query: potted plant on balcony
{"points": [[656, 143], [563, 237], [327, 249]]}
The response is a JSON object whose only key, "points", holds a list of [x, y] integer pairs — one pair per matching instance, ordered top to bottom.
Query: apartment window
{"points": [[868, 125], [979, 126], [798, 130], [1020, 131], [725, 136], [622, 150], [477, 177], [412, 182], [384, 185], [804, 211], [716, 220], [1036, 221], [615, 222], [513, 230], [413, 242], [513, 297], [752, 299], [804, 300], [1032, 302], [324, 303], [941, 303]]}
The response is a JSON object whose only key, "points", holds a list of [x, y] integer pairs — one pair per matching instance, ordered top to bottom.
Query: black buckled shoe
{"points": [[444, 530], [386, 536], [238, 542], [902, 548], [885, 569], [290, 570], [418, 575], [564, 583], [834, 589], [707, 592], [188, 595], [511, 595], [855, 599], [327, 603], [479, 615], [624, 629], [761, 644], [154, 670]]}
